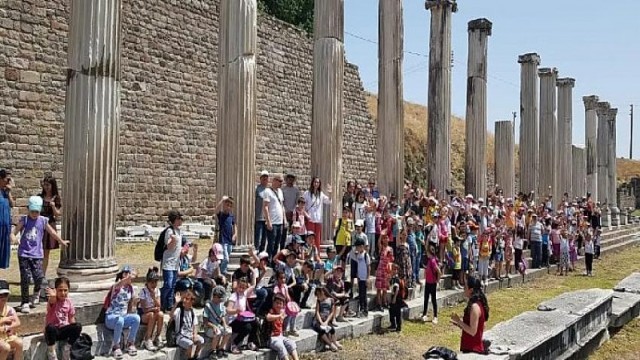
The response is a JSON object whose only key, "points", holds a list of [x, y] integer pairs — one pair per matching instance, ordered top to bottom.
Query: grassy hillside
{"points": [[415, 131]]}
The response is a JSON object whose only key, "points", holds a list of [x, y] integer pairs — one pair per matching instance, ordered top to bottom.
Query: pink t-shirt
{"points": [[431, 273], [59, 313]]}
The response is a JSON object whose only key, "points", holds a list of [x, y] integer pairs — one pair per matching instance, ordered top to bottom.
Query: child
{"points": [[301, 217], [344, 228], [596, 243], [485, 244], [573, 251], [508, 252], [31, 253], [312, 253], [588, 253], [499, 256], [331, 262], [457, 264], [563, 264], [383, 271], [432, 274], [361, 275], [281, 288], [336, 288], [398, 291], [120, 301], [149, 309], [325, 312], [238, 316], [61, 320], [9, 322], [215, 324], [186, 329], [278, 343]]}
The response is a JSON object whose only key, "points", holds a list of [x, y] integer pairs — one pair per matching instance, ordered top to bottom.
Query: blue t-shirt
{"points": [[226, 222]]}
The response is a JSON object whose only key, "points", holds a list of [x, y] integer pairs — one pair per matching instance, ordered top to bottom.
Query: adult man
{"points": [[372, 189], [274, 215], [260, 228], [535, 239], [171, 259]]}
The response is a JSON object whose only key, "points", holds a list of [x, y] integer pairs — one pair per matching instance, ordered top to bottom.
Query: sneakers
{"points": [[34, 300], [25, 308], [425, 318], [341, 319], [435, 321], [293, 333], [157, 342], [148, 344], [131, 350], [66, 352], [116, 353], [221, 354], [51, 355]]}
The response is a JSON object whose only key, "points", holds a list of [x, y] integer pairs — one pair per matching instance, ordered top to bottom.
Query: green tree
{"points": [[296, 12]]}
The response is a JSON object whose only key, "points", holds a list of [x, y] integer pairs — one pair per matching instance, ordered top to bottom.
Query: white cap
{"points": [[264, 173], [469, 196], [481, 200], [410, 221], [360, 222], [263, 255]]}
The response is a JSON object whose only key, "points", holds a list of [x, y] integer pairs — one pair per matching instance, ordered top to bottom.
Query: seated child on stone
{"points": [[338, 291], [149, 309], [323, 318], [61, 322], [186, 322], [9, 323], [215, 324], [283, 346]]}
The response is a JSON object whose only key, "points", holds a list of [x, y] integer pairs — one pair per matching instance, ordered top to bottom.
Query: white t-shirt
{"points": [[274, 198], [314, 205], [359, 211], [518, 243], [588, 247], [207, 268], [146, 300], [239, 303], [189, 322]]}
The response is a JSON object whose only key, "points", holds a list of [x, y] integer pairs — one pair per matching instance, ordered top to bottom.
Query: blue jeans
{"points": [[259, 235], [274, 237], [228, 248], [536, 254], [169, 278], [117, 323]]}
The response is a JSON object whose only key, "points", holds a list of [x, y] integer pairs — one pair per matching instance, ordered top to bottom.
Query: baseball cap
{"points": [[264, 173], [35, 203], [410, 221], [360, 223], [311, 233], [359, 242], [330, 249], [218, 251], [263, 255], [339, 267], [125, 269], [4, 287]]}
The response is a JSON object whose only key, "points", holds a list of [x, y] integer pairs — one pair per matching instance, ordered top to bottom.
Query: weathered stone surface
{"points": [[439, 96], [169, 104], [602, 109], [529, 130], [548, 131], [564, 136], [591, 142], [390, 149], [504, 150], [578, 171], [475, 173], [612, 184], [629, 284], [579, 302], [626, 307]]}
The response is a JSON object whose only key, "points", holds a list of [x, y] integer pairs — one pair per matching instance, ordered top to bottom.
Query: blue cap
{"points": [[35, 203], [125, 269]]}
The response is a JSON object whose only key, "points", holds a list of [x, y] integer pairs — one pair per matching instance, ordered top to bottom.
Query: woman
{"points": [[315, 198], [6, 203], [51, 210], [476, 314]]}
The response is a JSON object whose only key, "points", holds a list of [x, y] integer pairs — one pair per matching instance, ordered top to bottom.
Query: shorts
{"points": [[499, 257], [465, 264], [456, 274], [217, 330], [323, 330], [186, 343], [282, 345]]}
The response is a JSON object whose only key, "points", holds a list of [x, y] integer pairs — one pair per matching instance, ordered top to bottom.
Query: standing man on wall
{"points": [[260, 228]]}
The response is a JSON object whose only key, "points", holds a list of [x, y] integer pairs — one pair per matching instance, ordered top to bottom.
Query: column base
{"points": [[615, 216], [87, 280]]}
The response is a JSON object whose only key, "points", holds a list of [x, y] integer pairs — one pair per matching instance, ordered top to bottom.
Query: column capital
{"points": [[429, 4], [481, 25], [529, 58], [547, 72], [566, 82], [590, 102], [602, 107], [611, 114]]}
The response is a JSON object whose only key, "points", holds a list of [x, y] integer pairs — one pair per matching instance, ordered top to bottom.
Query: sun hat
{"points": [[264, 173], [359, 223]]}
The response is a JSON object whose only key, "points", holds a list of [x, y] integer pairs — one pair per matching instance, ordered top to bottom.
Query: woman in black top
{"points": [[52, 204]]}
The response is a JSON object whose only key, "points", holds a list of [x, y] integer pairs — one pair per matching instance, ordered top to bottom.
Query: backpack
{"points": [[335, 235], [161, 246], [263, 332], [172, 335], [81, 348], [439, 352]]}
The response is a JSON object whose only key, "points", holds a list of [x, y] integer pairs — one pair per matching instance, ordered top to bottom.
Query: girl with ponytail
{"points": [[475, 315]]}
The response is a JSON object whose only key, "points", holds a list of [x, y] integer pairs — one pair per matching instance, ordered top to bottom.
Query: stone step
{"points": [[626, 301]]}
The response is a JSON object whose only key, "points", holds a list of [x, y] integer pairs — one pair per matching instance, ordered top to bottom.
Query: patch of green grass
{"points": [[635, 212], [625, 345]]}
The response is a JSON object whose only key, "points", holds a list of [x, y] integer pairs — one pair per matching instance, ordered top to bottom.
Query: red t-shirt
{"points": [[430, 273], [276, 329], [470, 343]]}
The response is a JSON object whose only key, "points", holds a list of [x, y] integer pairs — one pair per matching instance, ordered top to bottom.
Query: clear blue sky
{"points": [[595, 42]]}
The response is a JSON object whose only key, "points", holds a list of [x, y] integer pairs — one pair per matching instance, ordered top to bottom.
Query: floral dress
{"points": [[404, 264], [382, 273]]}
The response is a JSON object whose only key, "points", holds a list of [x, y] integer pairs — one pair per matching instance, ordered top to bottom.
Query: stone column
{"points": [[439, 98], [602, 109], [328, 122], [565, 122], [92, 124], [591, 137], [236, 138], [529, 145], [390, 149], [504, 152], [548, 154], [475, 162], [611, 164], [578, 171]]}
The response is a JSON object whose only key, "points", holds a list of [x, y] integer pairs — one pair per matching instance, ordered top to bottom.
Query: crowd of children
{"points": [[390, 238]]}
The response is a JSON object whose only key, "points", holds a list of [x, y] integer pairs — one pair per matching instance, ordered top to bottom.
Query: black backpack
{"points": [[161, 246], [263, 332], [172, 335], [81, 348], [440, 352]]}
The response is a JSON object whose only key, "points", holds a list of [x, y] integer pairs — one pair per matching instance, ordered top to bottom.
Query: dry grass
{"points": [[627, 169], [505, 304], [625, 345]]}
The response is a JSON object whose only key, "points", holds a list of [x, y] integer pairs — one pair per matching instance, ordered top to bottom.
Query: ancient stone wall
{"points": [[169, 103]]}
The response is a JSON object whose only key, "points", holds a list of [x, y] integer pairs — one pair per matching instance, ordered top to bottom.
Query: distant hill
{"points": [[415, 131]]}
